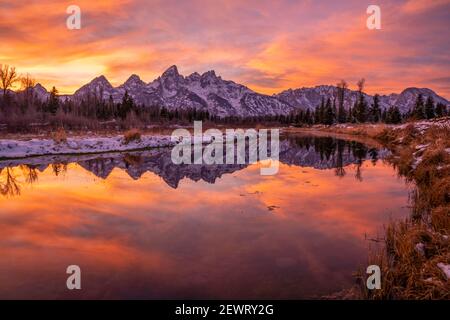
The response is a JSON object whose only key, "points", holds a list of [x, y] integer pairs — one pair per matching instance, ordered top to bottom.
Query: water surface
{"points": [[142, 227]]}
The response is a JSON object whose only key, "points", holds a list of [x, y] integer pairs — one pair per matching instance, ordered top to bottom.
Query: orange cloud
{"points": [[265, 45]]}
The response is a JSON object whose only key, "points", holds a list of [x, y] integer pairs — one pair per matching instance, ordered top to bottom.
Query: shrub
{"points": [[132, 135], [59, 136]]}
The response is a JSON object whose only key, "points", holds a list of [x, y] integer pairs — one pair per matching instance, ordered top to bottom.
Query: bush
{"points": [[132, 135], [59, 136]]}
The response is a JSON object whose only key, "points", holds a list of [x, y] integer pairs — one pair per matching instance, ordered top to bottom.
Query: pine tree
{"points": [[53, 102], [126, 106], [429, 108], [360, 109], [440, 110], [375, 111], [419, 111], [328, 113], [341, 114], [350, 115], [383, 115], [394, 116], [308, 119]]}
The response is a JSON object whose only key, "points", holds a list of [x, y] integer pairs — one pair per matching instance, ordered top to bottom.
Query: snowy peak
{"points": [[171, 72], [100, 81], [133, 82], [99, 87], [40, 92], [310, 98]]}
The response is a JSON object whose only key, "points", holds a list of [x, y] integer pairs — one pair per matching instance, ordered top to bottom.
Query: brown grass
{"points": [[132, 135], [59, 136], [407, 274]]}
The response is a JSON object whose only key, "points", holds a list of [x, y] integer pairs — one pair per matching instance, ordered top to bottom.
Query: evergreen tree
{"points": [[53, 101], [126, 106], [429, 108], [360, 109], [419, 110], [440, 110], [335, 111], [375, 111], [328, 113], [341, 114], [350, 115], [383, 115], [393, 115], [308, 118]]}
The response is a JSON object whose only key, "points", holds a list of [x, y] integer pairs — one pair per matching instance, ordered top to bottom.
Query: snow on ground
{"points": [[424, 125], [39, 147], [445, 269]]}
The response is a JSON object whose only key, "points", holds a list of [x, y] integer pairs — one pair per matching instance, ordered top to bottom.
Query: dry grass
{"points": [[366, 130], [132, 135], [59, 136], [409, 273]]}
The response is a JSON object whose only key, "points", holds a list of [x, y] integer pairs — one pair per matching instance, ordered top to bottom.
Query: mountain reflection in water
{"points": [[302, 151], [194, 231]]}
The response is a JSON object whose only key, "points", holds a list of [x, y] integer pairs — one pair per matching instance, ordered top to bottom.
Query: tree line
{"points": [[24, 110], [331, 111]]}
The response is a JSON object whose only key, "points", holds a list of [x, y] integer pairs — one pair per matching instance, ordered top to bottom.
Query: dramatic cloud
{"points": [[267, 45]]}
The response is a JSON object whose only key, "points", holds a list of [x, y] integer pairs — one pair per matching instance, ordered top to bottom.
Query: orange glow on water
{"points": [[142, 238]]}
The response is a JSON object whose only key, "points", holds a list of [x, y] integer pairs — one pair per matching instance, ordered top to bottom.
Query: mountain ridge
{"points": [[223, 98]]}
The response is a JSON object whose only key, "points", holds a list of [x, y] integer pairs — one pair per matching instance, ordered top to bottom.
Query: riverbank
{"points": [[415, 259]]}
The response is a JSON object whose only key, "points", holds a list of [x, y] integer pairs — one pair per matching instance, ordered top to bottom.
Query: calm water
{"points": [[142, 227]]}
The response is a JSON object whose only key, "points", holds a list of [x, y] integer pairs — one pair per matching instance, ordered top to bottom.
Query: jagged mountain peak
{"points": [[172, 71], [209, 74], [193, 77], [100, 79], [134, 80], [99, 86], [39, 87], [40, 91]]}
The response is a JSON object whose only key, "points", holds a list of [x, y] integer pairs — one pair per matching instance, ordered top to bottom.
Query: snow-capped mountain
{"points": [[202, 92], [222, 98], [310, 98]]}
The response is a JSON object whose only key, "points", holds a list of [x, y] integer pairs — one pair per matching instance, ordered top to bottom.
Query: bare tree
{"points": [[8, 76], [27, 83], [360, 85], [342, 86], [30, 173], [11, 186]]}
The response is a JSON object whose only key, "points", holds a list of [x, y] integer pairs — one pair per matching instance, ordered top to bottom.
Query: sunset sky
{"points": [[269, 46]]}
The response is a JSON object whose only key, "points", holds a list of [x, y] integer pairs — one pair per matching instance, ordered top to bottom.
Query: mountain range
{"points": [[223, 98]]}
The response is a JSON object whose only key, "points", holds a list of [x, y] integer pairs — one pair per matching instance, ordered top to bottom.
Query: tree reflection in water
{"points": [[303, 151]]}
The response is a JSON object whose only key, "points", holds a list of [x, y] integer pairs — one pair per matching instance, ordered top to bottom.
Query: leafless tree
{"points": [[8, 76], [27, 83], [360, 85], [341, 87], [30, 173], [11, 186]]}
